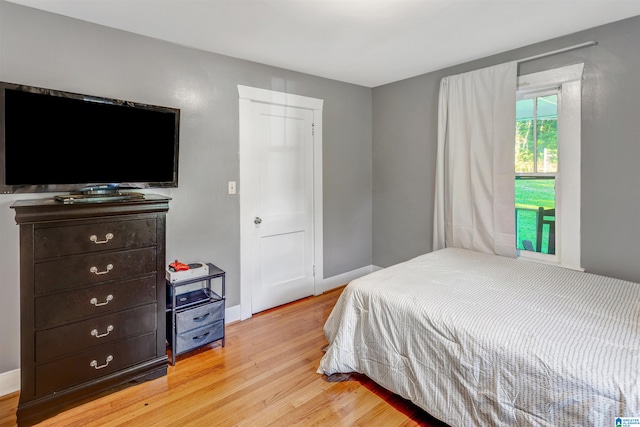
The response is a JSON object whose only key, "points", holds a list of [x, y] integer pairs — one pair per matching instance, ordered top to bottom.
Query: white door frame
{"points": [[247, 95]]}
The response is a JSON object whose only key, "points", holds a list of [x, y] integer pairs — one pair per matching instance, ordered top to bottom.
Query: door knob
{"points": [[257, 220]]}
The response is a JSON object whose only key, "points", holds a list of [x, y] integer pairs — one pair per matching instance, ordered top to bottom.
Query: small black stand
{"points": [[196, 317]]}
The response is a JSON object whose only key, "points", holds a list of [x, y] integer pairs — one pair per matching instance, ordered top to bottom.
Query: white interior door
{"points": [[277, 204]]}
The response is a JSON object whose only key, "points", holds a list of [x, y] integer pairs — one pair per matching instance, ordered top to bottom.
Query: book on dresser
{"points": [[92, 299]]}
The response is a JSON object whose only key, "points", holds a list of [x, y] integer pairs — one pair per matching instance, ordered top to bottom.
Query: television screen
{"points": [[60, 141]]}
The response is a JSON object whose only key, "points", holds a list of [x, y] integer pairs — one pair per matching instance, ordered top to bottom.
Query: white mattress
{"points": [[478, 339]]}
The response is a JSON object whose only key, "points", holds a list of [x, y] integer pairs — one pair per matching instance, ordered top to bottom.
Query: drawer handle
{"points": [[95, 240], [95, 271], [95, 302], [200, 318], [95, 332], [200, 337], [94, 363]]}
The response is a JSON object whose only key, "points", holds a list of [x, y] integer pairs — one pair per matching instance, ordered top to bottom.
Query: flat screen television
{"points": [[55, 141]]}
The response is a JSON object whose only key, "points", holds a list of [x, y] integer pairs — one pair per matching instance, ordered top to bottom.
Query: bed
{"points": [[478, 339]]}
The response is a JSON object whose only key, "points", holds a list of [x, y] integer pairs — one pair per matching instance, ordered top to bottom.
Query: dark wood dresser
{"points": [[92, 300]]}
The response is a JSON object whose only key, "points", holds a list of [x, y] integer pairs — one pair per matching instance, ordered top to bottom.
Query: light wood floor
{"points": [[264, 376]]}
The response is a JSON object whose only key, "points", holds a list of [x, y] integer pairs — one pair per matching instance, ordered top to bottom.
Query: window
{"points": [[547, 166], [536, 167]]}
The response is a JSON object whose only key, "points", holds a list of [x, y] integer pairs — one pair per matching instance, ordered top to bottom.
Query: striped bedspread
{"points": [[484, 340]]}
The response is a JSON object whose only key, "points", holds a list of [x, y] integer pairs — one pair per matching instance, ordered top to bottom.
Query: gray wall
{"points": [[43, 49], [404, 149]]}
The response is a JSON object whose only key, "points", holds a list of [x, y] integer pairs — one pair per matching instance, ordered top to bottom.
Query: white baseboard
{"points": [[376, 268], [342, 279], [232, 314], [9, 382]]}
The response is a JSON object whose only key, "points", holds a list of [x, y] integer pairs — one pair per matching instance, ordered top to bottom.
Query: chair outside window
{"points": [[546, 217]]}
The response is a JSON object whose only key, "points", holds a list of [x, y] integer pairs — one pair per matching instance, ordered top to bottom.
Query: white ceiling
{"points": [[366, 42]]}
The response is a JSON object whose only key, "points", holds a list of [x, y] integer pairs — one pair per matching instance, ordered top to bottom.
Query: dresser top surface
{"points": [[51, 202], [49, 209]]}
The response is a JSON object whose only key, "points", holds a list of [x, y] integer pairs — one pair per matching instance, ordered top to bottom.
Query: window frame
{"points": [[568, 82], [532, 95]]}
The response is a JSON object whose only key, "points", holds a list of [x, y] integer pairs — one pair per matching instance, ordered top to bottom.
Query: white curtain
{"points": [[474, 198]]}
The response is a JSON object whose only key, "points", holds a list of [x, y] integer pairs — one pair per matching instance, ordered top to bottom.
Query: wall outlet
{"points": [[232, 187]]}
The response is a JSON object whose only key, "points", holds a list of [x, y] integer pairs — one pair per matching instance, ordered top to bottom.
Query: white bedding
{"points": [[478, 339]]}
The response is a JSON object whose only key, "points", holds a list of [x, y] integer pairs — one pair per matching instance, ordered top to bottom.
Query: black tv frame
{"points": [[83, 187]]}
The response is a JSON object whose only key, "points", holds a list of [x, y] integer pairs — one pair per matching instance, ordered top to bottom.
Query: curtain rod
{"points": [[554, 52]]}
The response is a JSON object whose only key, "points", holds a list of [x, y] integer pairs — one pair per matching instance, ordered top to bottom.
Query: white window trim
{"points": [[569, 80]]}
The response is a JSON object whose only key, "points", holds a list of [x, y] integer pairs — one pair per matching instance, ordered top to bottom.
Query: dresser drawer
{"points": [[86, 238], [91, 269], [52, 310], [199, 316], [198, 337], [54, 343], [94, 363]]}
